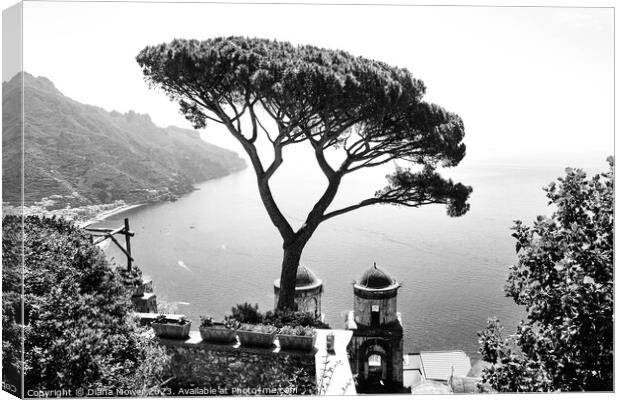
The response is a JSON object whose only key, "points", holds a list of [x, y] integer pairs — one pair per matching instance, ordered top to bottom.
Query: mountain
{"points": [[78, 154]]}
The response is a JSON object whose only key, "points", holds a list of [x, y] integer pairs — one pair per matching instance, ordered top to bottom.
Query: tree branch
{"points": [[361, 204], [276, 216]]}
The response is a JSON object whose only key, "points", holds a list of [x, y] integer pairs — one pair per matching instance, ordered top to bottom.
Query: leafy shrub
{"points": [[131, 277], [564, 279], [11, 307], [246, 313], [293, 318], [162, 319], [206, 321], [228, 323], [260, 328], [79, 329], [297, 330]]}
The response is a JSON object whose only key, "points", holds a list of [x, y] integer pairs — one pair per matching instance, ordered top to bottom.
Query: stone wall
{"points": [[202, 368]]}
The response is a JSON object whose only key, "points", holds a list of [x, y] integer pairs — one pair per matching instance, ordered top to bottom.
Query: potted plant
{"points": [[132, 280], [171, 328], [221, 332], [259, 335], [297, 337]]}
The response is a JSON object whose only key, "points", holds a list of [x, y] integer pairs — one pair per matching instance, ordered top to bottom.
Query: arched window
{"points": [[374, 360]]}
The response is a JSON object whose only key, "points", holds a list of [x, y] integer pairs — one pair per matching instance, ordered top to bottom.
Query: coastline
{"points": [[108, 213], [88, 214]]}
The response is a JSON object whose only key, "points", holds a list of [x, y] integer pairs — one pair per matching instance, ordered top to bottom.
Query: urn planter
{"points": [[171, 329], [217, 333], [256, 335], [296, 342]]}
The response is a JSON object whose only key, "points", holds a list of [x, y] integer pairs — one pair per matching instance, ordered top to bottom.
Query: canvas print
{"points": [[207, 199]]}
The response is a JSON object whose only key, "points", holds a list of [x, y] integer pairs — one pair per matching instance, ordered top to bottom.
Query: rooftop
{"points": [[375, 278], [305, 279], [441, 365]]}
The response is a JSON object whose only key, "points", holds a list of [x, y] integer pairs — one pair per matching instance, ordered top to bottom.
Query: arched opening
{"points": [[375, 364], [375, 367]]}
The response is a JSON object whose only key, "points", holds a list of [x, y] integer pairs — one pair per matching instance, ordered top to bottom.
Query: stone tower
{"points": [[308, 291], [376, 348]]}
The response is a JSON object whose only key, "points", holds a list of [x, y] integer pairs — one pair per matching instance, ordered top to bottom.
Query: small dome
{"points": [[305, 277], [374, 278]]}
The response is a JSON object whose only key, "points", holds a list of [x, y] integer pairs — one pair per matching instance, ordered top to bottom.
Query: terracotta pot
{"points": [[171, 330], [219, 334], [256, 339], [295, 342]]}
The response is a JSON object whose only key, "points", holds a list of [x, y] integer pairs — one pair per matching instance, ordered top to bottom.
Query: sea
{"points": [[216, 247]]}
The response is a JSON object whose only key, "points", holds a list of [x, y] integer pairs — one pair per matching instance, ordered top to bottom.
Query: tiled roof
{"points": [[437, 365]]}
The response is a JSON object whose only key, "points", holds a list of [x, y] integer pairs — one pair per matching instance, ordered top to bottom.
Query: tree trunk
{"points": [[290, 263]]}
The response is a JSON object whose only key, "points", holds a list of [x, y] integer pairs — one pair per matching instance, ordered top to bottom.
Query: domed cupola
{"points": [[305, 278], [375, 278], [308, 290], [374, 297]]}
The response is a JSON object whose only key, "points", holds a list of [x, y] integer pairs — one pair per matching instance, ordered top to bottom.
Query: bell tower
{"points": [[376, 348]]}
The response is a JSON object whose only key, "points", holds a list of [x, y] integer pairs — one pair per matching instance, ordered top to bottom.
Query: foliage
{"points": [[364, 111], [12, 240], [131, 277], [564, 278], [246, 313], [281, 318], [163, 319], [206, 321], [228, 323], [260, 328], [79, 329], [297, 330], [276, 373]]}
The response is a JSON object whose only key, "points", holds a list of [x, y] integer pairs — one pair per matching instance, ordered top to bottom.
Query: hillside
{"points": [[77, 154]]}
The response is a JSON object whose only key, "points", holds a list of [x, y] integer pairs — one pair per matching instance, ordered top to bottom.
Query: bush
{"points": [[131, 277], [564, 280], [246, 313], [294, 318], [162, 319], [208, 321], [79, 327], [260, 328], [297, 330]]}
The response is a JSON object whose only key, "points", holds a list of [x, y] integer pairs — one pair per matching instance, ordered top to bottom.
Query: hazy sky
{"points": [[529, 83]]}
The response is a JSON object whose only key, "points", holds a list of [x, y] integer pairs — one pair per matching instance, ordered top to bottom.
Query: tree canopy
{"points": [[371, 112], [564, 279], [79, 330]]}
